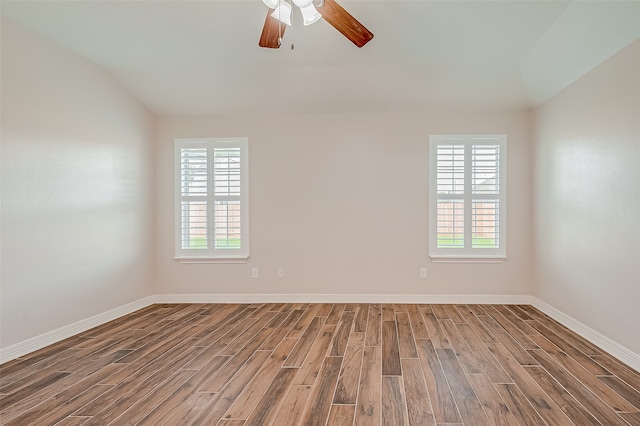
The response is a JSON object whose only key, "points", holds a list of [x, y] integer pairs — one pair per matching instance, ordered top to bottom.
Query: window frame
{"points": [[467, 253], [212, 254]]}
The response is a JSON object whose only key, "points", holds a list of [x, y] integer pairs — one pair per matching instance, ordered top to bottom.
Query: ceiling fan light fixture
{"points": [[312, 11], [283, 12], [309, 14]]}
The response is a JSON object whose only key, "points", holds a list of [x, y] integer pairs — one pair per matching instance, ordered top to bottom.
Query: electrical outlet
{"points": [[254, 272], [280, 272], [423, 273]]}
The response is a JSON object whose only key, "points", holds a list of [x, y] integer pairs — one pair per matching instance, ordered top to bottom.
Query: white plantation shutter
{"points": [[485, 188], [193, 194], [227, 197], [212, 199], [450, 204], [468, 207]]}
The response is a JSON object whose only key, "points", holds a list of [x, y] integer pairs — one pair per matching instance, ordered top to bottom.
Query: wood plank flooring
{"points": [[322, 364]]}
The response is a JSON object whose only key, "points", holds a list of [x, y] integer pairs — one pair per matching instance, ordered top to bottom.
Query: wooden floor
{"points": [[322, 364]]}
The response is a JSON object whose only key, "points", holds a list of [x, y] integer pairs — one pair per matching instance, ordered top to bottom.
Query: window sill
{"points": [[202, 259], [468, 259]]}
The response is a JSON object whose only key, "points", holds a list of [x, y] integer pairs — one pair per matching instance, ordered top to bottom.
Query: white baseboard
{"points": [[344, 298], [38, 342], [613, 348]]}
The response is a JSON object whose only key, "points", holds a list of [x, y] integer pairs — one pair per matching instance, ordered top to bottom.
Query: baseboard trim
{"points": [[344, 298], [38, 342], [613, 348]]}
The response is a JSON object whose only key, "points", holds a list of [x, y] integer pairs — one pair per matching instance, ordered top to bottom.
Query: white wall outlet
{"points": [[254, 272], [280, 272], [423, 273]]}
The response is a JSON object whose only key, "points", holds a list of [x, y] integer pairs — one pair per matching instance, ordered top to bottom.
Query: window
{"points": [[468, 196], [212, 199]]}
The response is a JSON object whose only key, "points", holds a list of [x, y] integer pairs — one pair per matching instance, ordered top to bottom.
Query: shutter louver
{"points": [[450, 169], [485, 178], [450, 187], [193, 189], [227, 195], [450, 224], [485, 229]]}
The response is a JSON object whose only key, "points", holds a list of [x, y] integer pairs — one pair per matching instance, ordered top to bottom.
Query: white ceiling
{"points": [[202, 57]]}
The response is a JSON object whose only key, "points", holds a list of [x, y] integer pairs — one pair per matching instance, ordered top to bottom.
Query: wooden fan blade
{"points": [[342, 21], [271, 32]]}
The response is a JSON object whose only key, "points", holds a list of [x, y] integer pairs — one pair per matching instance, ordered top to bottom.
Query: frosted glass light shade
{"points": [[302, 3], [271, 4], [283, 12], [310, 14]]}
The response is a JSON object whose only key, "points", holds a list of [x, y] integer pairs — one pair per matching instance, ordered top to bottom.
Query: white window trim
{"points": [[467, 254], [213, 255]]}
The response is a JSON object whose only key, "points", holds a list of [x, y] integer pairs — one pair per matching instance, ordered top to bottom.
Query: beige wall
{"points": [[76, 189], [587, 199], [340, 201]]}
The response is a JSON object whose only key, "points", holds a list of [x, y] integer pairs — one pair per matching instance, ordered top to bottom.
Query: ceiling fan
{"points": [[280, 13]]}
